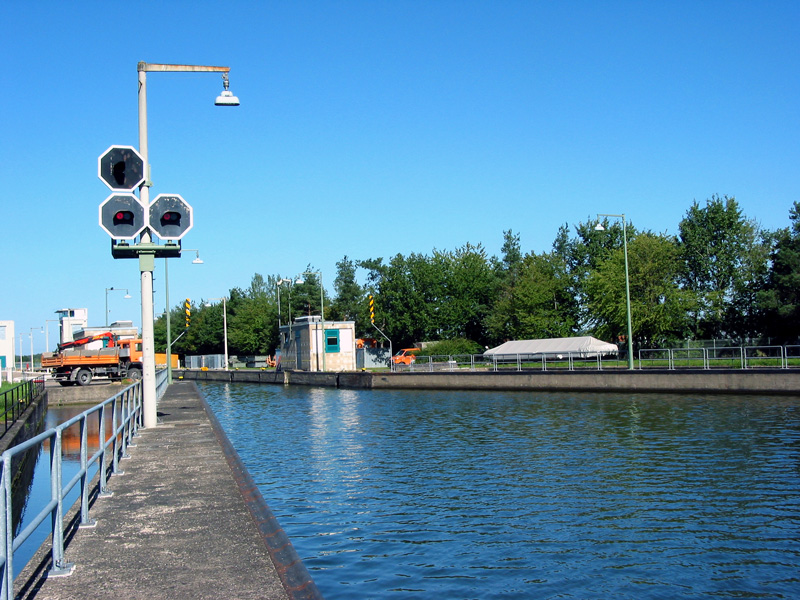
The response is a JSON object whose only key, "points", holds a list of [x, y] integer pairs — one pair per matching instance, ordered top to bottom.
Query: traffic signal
{"points": [[121, 168], [122, 216], [170, 216], [187, 308], [371, 309]]}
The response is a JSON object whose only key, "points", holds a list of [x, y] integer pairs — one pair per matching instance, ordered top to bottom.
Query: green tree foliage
{"points": [[724, 258], [722, 275], [426, 298], [780, 298], [350, 302], [538, 303], [658, 305], [455, 347]]}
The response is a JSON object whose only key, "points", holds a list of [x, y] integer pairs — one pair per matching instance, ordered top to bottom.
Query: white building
{"points": [[72, 320], [7, 337], [302, 345]]}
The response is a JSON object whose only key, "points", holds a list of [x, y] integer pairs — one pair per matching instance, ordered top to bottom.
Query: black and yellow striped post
{"points": [[187, 308], [372, 309]]}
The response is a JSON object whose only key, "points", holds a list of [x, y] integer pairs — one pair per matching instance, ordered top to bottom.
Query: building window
{"points": [[2, 332], [332, 340]]}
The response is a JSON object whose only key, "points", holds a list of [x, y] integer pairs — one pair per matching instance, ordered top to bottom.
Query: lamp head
{"points": [[226, 98], [599, 227]]}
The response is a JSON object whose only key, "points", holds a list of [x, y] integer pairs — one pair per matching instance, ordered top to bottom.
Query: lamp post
{"points": [[599, 227], [146, 261], [196, 261], [113, 289], [224, 325], [46, 332], [31, 336], [291, 338], [322, 343]]}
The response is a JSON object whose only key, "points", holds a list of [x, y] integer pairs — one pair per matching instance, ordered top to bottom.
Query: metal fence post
{"points": [[60, 567]]}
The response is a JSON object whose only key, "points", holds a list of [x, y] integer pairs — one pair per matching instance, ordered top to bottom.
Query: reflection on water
{"points": [[38, 492], [507, 495]]}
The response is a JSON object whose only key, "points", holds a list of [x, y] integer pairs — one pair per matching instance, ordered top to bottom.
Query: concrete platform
{"points": [[185, 521]]}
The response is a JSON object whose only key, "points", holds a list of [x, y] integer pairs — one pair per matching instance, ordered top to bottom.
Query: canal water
{"points": [[38, 491], [419, 494]]}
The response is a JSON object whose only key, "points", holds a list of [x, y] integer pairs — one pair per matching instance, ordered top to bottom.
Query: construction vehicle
{"points": [[74, 364]]}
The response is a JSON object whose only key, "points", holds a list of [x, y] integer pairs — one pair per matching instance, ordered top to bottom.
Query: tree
{"points": [[582, 254], [724, 256], [780, 298], [350, 302], [539, 305], [658, 305], [253, 318]]}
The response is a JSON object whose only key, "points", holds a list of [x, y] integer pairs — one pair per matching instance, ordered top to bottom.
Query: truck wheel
{"points": [[135, 374], [84, 377]]}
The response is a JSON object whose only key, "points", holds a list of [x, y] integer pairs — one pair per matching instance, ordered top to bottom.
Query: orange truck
{"points": [[406, 356], [121, 359]]}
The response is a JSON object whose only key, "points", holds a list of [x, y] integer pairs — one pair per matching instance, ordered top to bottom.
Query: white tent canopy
{"points": [[584, 346]]}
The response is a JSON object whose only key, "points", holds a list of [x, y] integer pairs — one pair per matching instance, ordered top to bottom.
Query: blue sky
{"points": [[368, 129]]}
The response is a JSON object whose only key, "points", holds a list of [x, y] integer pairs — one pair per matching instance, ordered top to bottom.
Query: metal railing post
{"points": [[103, 491], [86, 521], [8, 532], [60, 567]]}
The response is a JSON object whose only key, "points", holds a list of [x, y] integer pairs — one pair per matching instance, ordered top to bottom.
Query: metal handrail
{"points": [[573, 361], [20, 396], [126, 414]]}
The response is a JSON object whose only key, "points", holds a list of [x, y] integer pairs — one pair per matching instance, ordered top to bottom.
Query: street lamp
{"points": [[599, 227], [196, 261], [146, 262], [279, 283], [113, 289], [224, 325], [46, 333], [31, 336], [322, 343]]}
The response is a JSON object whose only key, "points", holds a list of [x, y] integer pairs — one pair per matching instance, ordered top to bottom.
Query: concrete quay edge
{"points": [[722, 381], [185, 521]]}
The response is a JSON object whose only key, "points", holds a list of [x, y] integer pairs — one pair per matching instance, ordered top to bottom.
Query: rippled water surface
{"points": [[399, 494]]}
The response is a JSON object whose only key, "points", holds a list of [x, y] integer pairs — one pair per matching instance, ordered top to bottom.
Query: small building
{"points": [[71, 320], [303, 347], [7, 355]]}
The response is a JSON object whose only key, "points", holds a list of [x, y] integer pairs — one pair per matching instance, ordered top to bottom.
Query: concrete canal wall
{"points": [[767, 381]]}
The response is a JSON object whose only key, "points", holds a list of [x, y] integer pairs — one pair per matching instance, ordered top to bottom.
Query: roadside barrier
{"points": [[733, 357], [17, 399], [125, 411]]}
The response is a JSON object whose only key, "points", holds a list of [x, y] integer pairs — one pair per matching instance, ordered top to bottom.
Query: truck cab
{"points": [[406, 356]]}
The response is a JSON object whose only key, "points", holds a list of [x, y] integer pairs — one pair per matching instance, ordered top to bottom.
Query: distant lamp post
{"points": [[599, 227], [196, 261], [299, 280], [278, 285], [113, 289], [224, 325], [46, 333], [31, 336]]}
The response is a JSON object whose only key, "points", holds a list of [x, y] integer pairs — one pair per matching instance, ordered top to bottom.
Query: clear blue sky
{"points": [[371, 128]]}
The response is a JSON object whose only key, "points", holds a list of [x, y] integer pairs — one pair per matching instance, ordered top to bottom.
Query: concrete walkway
{"points": [[185, 521]]}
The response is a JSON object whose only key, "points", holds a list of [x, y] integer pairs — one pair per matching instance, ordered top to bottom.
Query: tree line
{"points": [[721, 277]]}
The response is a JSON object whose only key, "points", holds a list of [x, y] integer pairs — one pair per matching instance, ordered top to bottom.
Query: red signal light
{"points": [[123, 217]]}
